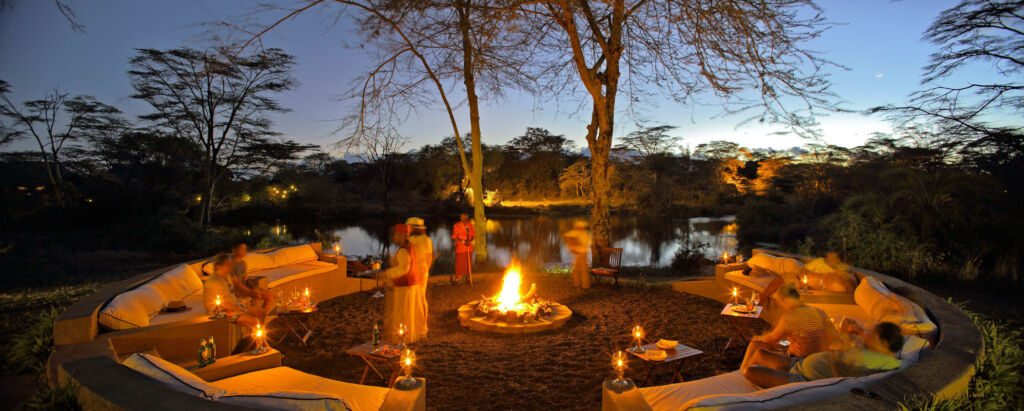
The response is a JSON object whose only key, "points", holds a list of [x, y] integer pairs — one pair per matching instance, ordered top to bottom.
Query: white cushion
{"points": [[293, 255], [256, 262], [787, 268], [281, 275], [755, 283], [176, 284], [883, 305], [131, 309], [913, 348], [171, 374], [358, 397], [670, 397], [775, 397], [285, 400]]}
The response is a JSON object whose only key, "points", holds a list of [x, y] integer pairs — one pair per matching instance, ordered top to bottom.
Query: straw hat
{"points": [[415, 222]]}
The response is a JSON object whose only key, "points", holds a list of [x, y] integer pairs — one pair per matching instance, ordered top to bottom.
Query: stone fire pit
{"points": [[512, 313]]}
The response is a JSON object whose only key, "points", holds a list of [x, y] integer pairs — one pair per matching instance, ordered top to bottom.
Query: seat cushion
{"points": [[293, 255], [257, 262], [787, 268], [280, 275], [755, 283], [176, 284], [882, 305], [131, 309], [194, 309], [171, 374], [783, 395], [358, 397], [670, 397], [286, 400]]}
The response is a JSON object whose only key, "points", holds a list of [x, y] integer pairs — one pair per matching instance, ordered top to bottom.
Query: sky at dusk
{"points": [[879, 41]]}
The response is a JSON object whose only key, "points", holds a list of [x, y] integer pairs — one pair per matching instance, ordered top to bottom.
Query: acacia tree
{"points": [[986, 32], [422, 44], [730, 49], [218, 101], [56, 122]]}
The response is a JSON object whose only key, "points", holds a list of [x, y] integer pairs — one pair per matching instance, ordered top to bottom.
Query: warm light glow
{"points": [[337, 249], [725, 257], [805, 279], [306, 292], [735, 292], [509, 295], [217, 301], [259, 331], [638, 332], [408, 359]]}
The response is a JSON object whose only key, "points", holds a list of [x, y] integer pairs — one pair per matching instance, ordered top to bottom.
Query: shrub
{"points": [[688, 256], [29, 349], [997, 383], [62, 397]]}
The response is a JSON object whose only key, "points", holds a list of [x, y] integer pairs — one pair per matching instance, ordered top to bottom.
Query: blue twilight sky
{"points": [[879, 41]]}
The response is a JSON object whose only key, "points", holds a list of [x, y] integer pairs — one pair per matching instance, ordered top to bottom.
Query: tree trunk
{"points": [[476, 177], [601, 190]]}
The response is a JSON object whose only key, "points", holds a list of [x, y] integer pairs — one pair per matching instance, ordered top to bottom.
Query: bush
{"points": [[689, 257], [29, 350], [997, 383], [63, 397]]}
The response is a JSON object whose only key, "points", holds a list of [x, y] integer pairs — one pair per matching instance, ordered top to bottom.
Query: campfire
{"points": [[509, 305], [511, 312]]}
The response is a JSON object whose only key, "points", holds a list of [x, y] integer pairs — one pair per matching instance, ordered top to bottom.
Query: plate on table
{"points": [[742, 309], [667, 344], [656, 355]]}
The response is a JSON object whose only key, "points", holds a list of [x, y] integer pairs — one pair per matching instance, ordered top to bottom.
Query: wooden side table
{"points": [[739, 327], [365, 352], [675, 356], [233, 365]]}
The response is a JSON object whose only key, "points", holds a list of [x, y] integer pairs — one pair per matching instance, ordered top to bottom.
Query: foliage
{"points": [[688, 257], [30, 348], [997, 383], [63, 397]]}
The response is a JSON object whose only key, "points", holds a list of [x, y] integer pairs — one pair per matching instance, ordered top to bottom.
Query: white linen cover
{"points": [[293, 255], [787, 268], [280, 275], [755, 283], [176, 284], [131, 309], [195, 309], [171, 374], [358, 397], [670, 397]]}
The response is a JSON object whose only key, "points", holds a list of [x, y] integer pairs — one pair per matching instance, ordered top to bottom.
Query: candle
{"points": [[337, 249], [725, 257], [735, 294], [216, 310], [638, 337], [260, 339], [408, 359], [620, 364]]}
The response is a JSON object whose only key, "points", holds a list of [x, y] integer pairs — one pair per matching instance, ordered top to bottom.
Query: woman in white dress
{"points": [[402, 279]]}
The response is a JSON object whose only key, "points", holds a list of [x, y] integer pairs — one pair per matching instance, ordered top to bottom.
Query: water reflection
{"points": [[537, 240]]}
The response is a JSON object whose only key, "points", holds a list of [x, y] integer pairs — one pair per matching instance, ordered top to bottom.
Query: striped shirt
{"points": [[806, 326]]}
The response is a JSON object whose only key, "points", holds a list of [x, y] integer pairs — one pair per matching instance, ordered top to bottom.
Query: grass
{"points": [[997, 383]]}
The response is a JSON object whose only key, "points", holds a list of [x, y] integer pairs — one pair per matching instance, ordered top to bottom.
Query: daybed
{"points": [[766, 270], [934, 364], [149, 382]]}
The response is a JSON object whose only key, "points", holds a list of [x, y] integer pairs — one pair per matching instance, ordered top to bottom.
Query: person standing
{"points": [[463, 235], [578, 241], [424, 251], [401, 280]]}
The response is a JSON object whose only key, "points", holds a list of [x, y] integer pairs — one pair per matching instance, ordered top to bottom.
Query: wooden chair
{"points": [[608, 263]]}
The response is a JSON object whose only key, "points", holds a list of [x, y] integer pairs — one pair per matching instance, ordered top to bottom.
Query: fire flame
{"points": [[509, 296]]}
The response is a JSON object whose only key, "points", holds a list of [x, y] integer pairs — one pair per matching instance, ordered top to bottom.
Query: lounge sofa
{"points": [[277, 269], [766, 270], [874, 303], [147, 381]]}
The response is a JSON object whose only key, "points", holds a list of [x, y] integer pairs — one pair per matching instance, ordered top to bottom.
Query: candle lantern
{"points": [[337, 249], [725, 258], [735, 296], [217, 313], [402, 330], [260, 337], [638, 338], [408, 360], [620, 364]]}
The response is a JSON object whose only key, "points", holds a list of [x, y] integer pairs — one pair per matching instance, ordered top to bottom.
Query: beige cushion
{"points": [[293, 255], [256, 262], [787, 268], [280, 275], [755, 283], [176, 284], [194, 304], [883, 305], [131, 309], [913, 349], [171, 374], [783, 395], [671, 396], [358, 397], [285, 400]]}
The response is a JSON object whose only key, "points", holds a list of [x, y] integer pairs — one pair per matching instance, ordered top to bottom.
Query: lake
{"points": [[537, 239]]}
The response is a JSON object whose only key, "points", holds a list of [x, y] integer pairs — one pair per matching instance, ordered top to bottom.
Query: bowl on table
{"points": [[667, 344]]}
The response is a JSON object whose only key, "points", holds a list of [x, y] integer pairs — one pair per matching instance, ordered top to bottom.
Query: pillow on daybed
{"points": [[293, 255], [257, 262], [787, 268], [883, 305], [132, 309], [171, 374], [776, 397]]}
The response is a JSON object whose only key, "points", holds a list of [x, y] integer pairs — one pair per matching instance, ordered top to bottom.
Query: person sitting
{"points": [[830, 274], [239, 281], [218, 286], [807, 328], [878, 354]]}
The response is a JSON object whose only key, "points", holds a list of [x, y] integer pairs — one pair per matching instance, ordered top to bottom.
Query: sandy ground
{"points": [[559, 369]]}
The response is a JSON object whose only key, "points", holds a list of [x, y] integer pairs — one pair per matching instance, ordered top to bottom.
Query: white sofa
{"points": [[874, 303], [143, 305], [272, 388]]}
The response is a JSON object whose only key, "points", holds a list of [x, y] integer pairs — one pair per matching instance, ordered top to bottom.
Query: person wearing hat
{"points": [[463, 235], [578, 241], [424, 250], [401, 279]]}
